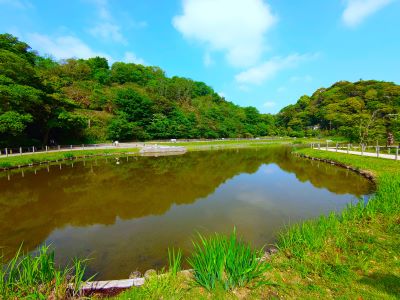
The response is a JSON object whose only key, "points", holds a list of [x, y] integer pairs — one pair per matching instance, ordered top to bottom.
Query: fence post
{"points": [[83, 146], [319, 146], [58, 147], [70, 147], [337, 147], [46, 148], [348, 148], [33, 149], [362, 149], [20, 150], [377, 151], [6, 152], [397, 153]]}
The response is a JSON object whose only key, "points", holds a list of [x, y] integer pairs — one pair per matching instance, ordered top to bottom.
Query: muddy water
{"points": [[125, 216]]}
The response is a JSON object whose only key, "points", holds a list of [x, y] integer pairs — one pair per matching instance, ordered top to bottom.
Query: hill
{"points": [[45, 101], [363, 111]]}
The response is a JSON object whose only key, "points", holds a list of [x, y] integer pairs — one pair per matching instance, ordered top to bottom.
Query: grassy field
{"points": [[229, 144], [40, 157], [352, 255]]}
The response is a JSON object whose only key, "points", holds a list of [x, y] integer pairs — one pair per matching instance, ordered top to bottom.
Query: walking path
{"points": [[370, 154]]}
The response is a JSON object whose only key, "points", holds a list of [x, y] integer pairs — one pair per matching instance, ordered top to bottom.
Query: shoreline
{"points": [[383, 204]]}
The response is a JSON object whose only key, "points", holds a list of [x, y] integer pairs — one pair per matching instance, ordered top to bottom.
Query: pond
{"points": [[126, 213]]}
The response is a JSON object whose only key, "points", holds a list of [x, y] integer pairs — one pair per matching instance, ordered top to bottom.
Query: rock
{"points": [[269, 252], [150, 273], [135, 274], [188, 274]]}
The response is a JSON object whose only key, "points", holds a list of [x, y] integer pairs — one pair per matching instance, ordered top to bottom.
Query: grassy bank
{"points": [[232, 144], [40, 157], [352, 255], [37, 277]]}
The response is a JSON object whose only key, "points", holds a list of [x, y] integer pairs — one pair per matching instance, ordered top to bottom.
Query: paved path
{"points": [[381, 155]]}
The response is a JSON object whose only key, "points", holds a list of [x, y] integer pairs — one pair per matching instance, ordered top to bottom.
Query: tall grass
{"points": [[175, 261], [226, 261], [37, 277]]}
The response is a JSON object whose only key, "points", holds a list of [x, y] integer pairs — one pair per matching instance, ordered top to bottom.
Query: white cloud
{"points": [[20, 4], [102, 9], [357, 10], [236, 27], [106, 28], [108, 31], [62, 47], [131, 57], [207, 59], [268, 69], [269, 104]]}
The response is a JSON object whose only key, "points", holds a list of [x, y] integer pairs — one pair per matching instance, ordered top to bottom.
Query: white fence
{"points": [[360, 149], [12, 151]]}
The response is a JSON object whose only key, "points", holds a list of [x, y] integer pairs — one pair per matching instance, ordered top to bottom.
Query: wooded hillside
{"points": [[86, 100], [43, 101], [364, 111]]}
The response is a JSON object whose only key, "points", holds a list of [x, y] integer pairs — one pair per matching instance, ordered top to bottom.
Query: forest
{"points": [[44, 101], [366, 111]]}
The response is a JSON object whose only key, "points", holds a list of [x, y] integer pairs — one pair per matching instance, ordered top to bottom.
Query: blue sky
{"points": [[262, 53]]}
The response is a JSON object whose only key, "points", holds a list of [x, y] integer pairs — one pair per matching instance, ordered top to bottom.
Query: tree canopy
{"points": [[87, 100], [363, 111]]}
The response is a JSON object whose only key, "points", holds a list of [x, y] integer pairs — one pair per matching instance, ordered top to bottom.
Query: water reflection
{"points": [[126, 215]]}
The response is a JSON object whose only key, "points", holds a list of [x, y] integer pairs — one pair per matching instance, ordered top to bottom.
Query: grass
{"points": [[218, 144], [39, 157], [351, 255], [175, 261], [226, 261], [221, 266], [37, 277]]}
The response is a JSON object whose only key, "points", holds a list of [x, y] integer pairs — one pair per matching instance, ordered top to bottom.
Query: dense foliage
{"points": [[85, 100], [43, 101], [364, 111]]}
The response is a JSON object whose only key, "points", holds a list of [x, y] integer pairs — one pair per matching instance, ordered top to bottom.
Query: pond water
{"points": [[125, 216]]}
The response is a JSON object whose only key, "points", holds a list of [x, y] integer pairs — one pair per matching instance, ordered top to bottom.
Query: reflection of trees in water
{"points": [[323, 175], [99, 192]]}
